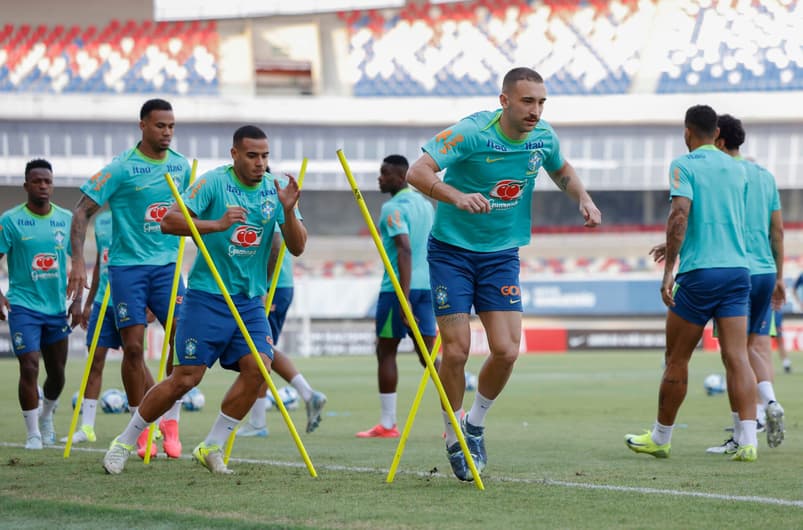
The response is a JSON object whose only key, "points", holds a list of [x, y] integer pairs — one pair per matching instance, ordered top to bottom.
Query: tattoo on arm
{"points": [[561, 181], [84, 210], [676, 229]]}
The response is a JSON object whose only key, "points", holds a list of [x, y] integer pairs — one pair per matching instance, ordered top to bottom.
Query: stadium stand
{"points": [[130, 57]]}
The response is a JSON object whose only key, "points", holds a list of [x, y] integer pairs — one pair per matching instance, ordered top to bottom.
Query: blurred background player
{"points": [[491, 161], [234, 207], [404, 223], [705, 232], [34, 235], [142, 260], [776, 331], [282, 365]]}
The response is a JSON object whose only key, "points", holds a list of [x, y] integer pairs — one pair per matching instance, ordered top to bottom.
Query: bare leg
{"points": [[503, 329], [456, 335], [681, 338], [133, 366]]}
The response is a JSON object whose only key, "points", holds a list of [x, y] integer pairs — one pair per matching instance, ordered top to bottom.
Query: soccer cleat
{"points": [[314, 409], [774, 424], [760, 427], [47, 430], [249, 430], [379, 431], [85, 434], [475, 440], [142, 441], [34, 442], [642, 443], [171, 444], [728, 447], [745, 453], [211, 457], [115, 458], [458, 462]]}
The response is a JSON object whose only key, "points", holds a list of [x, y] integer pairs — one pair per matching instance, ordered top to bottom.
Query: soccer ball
{"points": [[471, 382], [714, 384], [289, 397], [193, 400], [113, 401]]}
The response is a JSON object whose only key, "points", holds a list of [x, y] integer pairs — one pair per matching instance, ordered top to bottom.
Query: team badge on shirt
{"points": [[534, 163]]}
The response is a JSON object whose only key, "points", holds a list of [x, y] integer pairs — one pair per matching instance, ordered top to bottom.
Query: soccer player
{"points": [[491, 161], [235, 206], [404, 222], [705, 229], [34, 236], [765, 252], [142, 259], [776, 331], [282, 364]]}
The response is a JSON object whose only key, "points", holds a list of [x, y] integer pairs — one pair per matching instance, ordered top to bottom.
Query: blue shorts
{"points": [[462, 278], [136, 287], [761, 287], [703, 294], [282, 299], [389, 324], [31, 330], [207, 332], [109, 335]]}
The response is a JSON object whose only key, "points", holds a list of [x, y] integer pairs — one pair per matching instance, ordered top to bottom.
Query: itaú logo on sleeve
{"points": [[154, 215], [245, 239], [44, 265]]}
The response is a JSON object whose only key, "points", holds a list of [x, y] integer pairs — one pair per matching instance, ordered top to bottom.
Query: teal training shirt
{"points": [[479, 158], [716, 183], [138, 196], [762, 200], [409, 213], [103, 242], [36, 247], [241, 252], [286, 272]]}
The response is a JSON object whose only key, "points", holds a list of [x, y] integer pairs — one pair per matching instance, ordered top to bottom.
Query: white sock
{"points": [[300, 384], [766, 393], [387, 403], [48, 406], [89, 408], [133, 410], [258, 412], [173, 413], [761, 413], [476, 416], [31, 418], [737, 427], [221, 430], [132, 431], [748, 433], [661, 434], [451, 436]]}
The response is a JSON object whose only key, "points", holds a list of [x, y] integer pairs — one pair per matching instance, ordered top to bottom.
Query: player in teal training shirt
{"points": [[491, 161], [236, 208], [405, 221], [705, 230], [34, 236], [141, 259]]}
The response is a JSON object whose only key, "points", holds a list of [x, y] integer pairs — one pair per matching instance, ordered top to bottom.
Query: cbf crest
{"points": [[534, 163], [267, 211], [59, 236], [441, 297]]}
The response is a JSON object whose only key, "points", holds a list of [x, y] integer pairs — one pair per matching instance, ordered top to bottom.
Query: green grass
{"points": [[556, 459]]}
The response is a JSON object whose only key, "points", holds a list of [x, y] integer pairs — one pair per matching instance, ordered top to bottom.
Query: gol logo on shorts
{"points": [[510, 290]]}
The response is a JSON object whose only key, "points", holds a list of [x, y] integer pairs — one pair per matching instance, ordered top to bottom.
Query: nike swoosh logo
{"points": [[492, 160], [140, 188], [26, 238], [516, 301]]}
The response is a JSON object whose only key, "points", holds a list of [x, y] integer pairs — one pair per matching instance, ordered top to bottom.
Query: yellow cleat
{"points": [[642, 443]]}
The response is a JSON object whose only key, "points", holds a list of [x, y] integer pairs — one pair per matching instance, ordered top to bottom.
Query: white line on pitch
{"points": [[542, 482]]}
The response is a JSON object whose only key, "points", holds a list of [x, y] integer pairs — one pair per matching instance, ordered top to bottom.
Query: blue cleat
{"points": [[475, 440], [458, 463]]}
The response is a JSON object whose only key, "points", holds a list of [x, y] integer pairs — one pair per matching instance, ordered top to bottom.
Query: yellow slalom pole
{"points": [[199, 242], [268, 302], [171, 310], [410, 318], [90, 357], [408, 425]]}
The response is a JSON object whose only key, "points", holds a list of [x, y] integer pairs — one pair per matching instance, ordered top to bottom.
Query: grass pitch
{"points": [[557, 458]]}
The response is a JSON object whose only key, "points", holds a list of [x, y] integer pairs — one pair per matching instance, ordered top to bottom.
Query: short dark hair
{"points": [[520, 74], [153, 104], [702, 120], [248, 131], [731, 131], [398, 161], [37, 163]]}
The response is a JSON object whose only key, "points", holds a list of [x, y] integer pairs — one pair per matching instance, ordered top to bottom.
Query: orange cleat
{"points": [[378, 431], [142, 441], [171, 444]]}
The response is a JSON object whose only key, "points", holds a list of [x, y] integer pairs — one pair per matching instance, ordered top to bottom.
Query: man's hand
{"points": [[288, 195], [473, 202], [234, 214], [591, 214], [658, 252], [76, 280], [667, 286], [778, 294], [5, 307], [76, 314], [87, 314]]}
